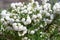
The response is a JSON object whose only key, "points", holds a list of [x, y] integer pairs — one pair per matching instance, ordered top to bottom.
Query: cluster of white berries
{"points": [[56, 8], [22, 15], [5, 17], [9, 19], [27, 21], [19, 27]]}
